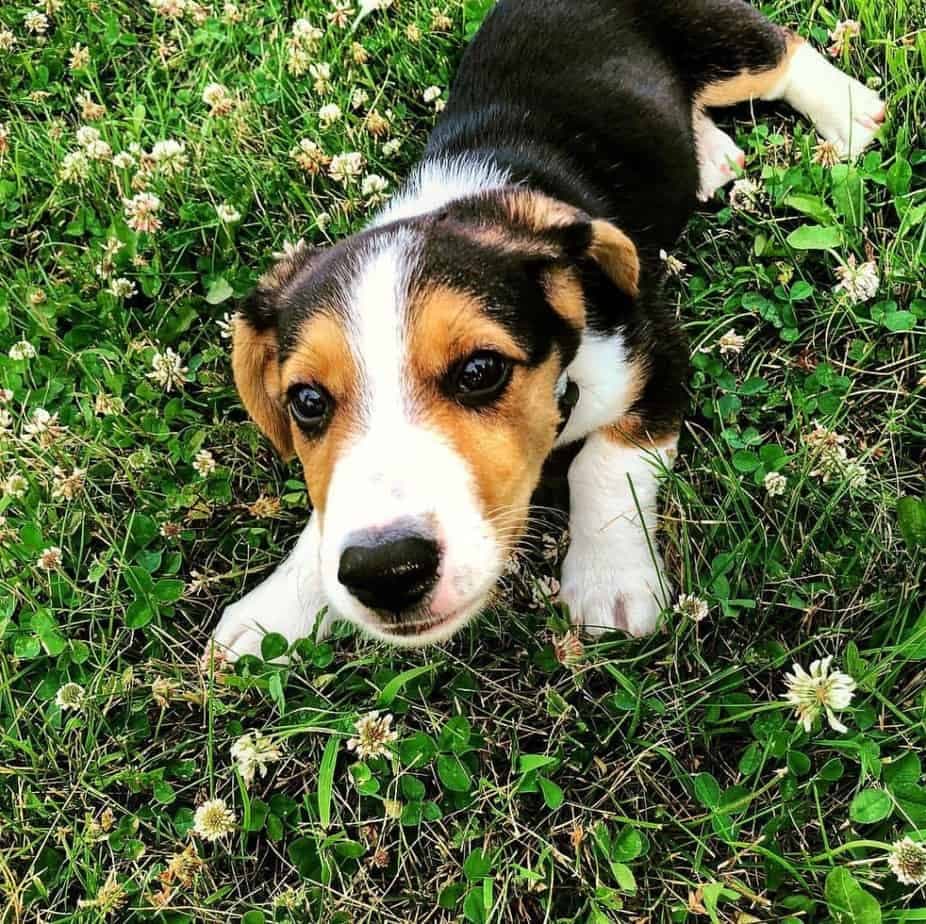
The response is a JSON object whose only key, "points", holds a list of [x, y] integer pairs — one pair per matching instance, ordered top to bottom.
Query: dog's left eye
{"points": [[480, 379], [310, 405]]}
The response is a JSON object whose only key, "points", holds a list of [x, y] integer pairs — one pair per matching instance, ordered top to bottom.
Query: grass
{"points": [[661, 780]]}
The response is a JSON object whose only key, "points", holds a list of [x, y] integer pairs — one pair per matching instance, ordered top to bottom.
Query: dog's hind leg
{"points": [[729, 53]]}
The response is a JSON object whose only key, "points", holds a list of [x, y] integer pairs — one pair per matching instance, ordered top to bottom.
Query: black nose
{"points": [[392, 575]]}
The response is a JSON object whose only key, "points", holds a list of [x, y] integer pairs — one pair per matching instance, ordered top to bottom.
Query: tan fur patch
{"points": [[747, 84], [537, 212], [611, 248], [616, 254], [566, 295], [448, 325], [323, 356], [257, 376], [504, 446]]}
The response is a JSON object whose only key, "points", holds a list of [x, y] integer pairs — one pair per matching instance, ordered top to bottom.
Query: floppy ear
{"points": [[577, 233], [616, 254], [255, 349], [257, 376]]}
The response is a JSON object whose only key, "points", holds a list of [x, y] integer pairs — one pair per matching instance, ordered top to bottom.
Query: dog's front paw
{"points": [[602, 595], [243, 625]]}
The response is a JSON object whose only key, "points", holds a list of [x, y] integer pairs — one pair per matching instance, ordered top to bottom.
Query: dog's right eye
{"points": [[310, 406]]}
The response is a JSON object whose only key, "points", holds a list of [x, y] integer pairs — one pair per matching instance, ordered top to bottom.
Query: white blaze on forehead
{"points": [[377, 328]]}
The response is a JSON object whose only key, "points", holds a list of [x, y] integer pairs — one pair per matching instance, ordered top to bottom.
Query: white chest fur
{"points": [[606, 384]]}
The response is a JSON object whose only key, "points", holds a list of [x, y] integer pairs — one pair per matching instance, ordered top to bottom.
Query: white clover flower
{"points": [[371, 6], [169, 9], [36, 22], [307, 34], [842, 36], [7, 40], [79, 57], [321, 75], [432, 94], [359, 98], [218, 99], [329, 114], [87, 135], [392, 147], [99, 150], [826, 154], [169, 156], [309, 156], [123, 160], [75, 166], [345, 167], [374, 188], [745, 195], [141, 212], [228, 214], [323, 221], [674, 266], [858, 281], [122, 288], [731, 343], [22, 351], [168, 370], [6, 395], [108, 405], [6, 421], [42, 426], [204, 463], [856, 474], [775, 484], [15, 486], [67, 486], [50, 559], [543, 590], [691, 607], [568, 649], [817, 692], [70, 696], [374, 734], [252, 753], [213, 820], [907, 861]]}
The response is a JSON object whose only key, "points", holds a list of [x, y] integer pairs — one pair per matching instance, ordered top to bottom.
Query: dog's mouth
{"points": [[422, 627]]}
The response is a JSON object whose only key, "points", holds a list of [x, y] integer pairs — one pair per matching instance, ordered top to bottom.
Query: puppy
{"points": [[506, 303]]}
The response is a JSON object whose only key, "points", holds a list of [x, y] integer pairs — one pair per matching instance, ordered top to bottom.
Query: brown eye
{"points": [[480, 379], [310, 406]]}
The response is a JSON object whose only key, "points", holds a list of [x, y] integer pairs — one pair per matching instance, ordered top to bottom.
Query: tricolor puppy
{"points": [[506, 303]]}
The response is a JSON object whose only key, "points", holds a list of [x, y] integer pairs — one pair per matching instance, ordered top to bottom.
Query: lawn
{"points": [[153, 156]]}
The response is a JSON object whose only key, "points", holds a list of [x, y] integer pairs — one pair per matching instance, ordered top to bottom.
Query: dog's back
{"points": [[584, 104]]}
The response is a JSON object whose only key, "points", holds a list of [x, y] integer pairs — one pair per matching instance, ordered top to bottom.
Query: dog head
{"points": [[414, 370]]}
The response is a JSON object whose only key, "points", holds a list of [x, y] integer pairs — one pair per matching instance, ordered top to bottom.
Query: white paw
{"points": [[845, 112], [852, 117], [719, 157], [602, 595], [244, 624]]}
